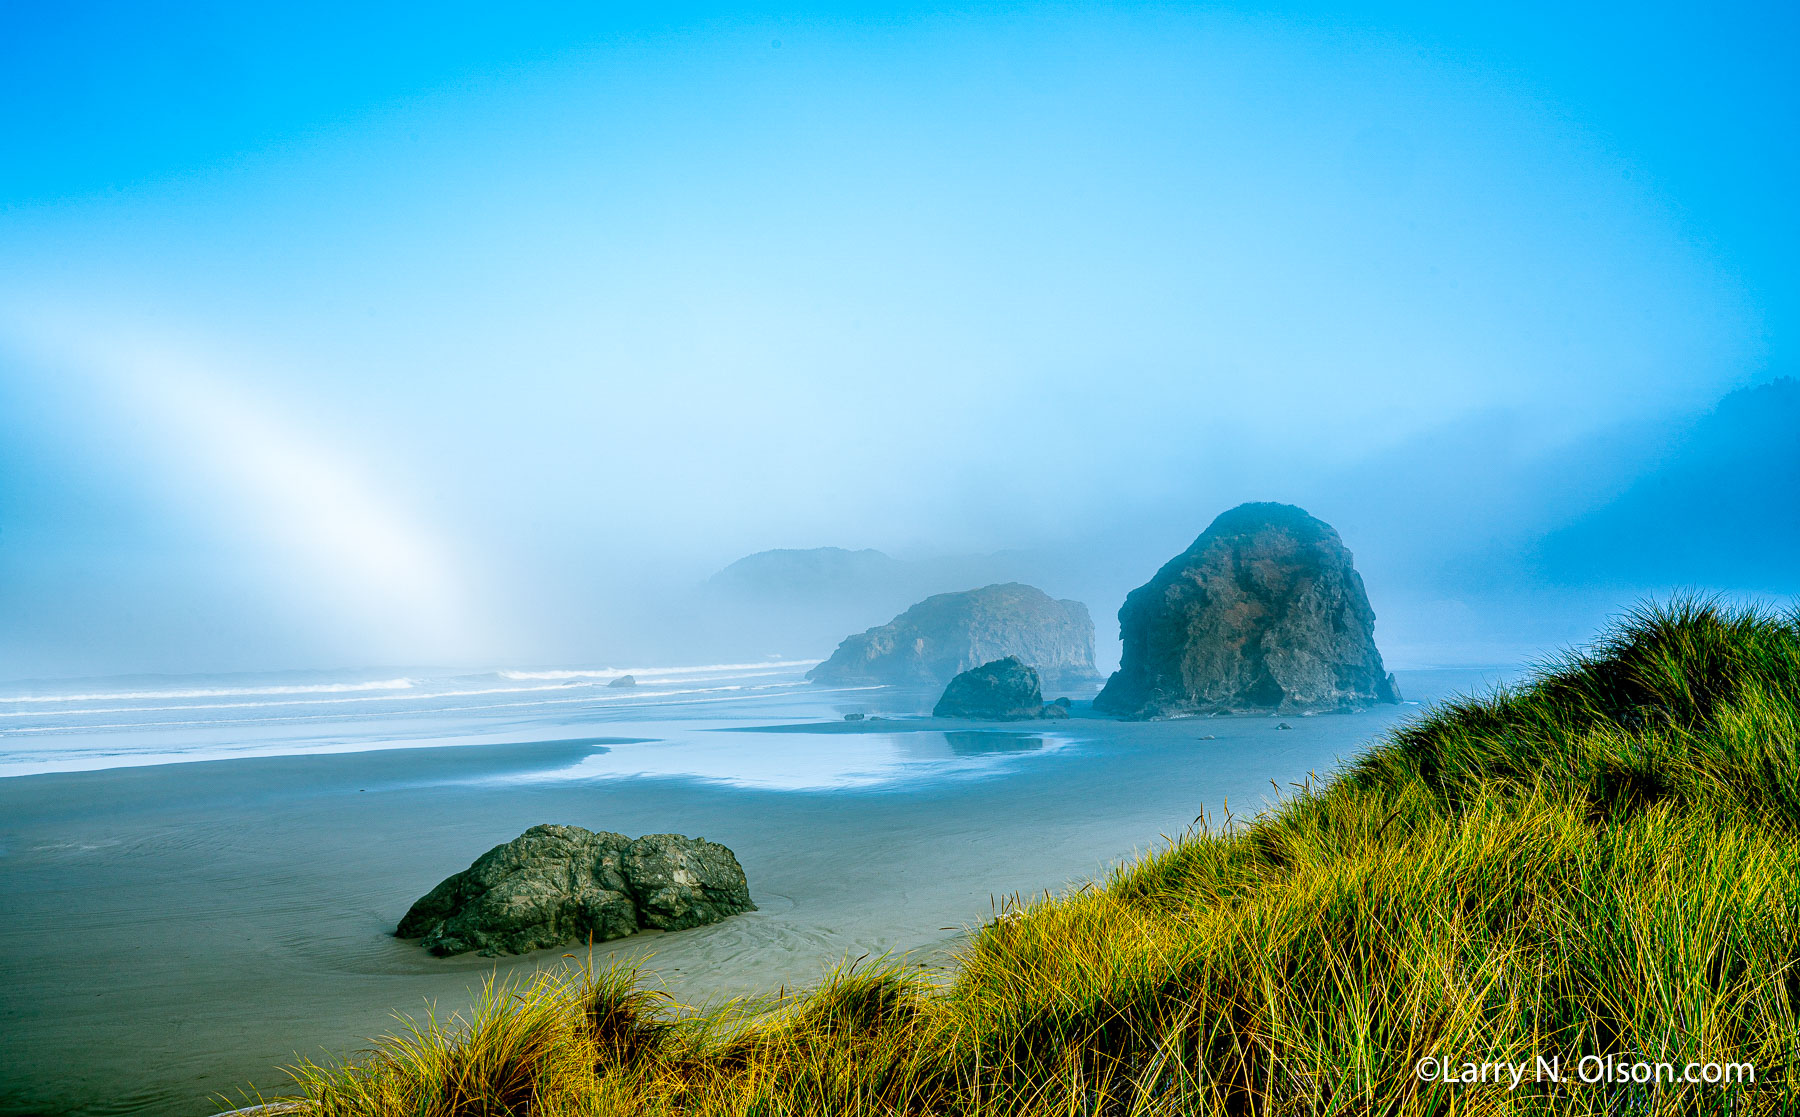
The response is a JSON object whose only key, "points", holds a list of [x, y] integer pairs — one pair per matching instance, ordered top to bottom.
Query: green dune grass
{"points": [[1601, 862]]}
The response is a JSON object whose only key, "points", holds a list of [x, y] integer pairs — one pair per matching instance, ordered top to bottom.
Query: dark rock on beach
{"points": [[1265, 612], [942, 636], [1004, 690], [684, 882], [554, 885]]}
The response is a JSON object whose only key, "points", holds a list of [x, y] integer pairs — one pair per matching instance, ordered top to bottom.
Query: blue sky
{"points": [[332, 336]]}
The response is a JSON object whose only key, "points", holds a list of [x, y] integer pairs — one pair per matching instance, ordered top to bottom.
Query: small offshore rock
{"points": [[623, 681], [1003, 690], [1063, 702], [1052, 710], [853, 717], [1284, 725], [1206, 737], [554, 885]]}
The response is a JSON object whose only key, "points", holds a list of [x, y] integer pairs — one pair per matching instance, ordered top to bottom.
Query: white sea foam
{"points": [[613, 672], [213, 692], [635, 694], [414, 696], [627, 699], [197, 718]]}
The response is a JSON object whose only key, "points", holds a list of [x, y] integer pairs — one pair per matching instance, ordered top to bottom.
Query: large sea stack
{"points": [[1265, 612], [945, 635]]}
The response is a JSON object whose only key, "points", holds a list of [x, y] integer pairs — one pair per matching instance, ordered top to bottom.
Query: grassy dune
{"points": [[1601, 862]]}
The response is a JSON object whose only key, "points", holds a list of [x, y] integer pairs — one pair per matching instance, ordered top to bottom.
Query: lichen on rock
{"points": [[554, 885]]}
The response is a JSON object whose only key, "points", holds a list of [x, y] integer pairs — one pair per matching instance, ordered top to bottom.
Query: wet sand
{"points": [[174, 933]]}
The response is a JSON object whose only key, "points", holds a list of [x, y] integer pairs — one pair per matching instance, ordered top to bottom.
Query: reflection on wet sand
{"points": [[987, 742]]}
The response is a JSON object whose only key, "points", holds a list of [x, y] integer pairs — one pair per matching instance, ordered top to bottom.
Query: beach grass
{"points": [[1601, 863]]}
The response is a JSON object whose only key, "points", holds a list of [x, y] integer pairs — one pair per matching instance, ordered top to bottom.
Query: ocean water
{"points": [[684, 721], [124, 722], [702, 722]]}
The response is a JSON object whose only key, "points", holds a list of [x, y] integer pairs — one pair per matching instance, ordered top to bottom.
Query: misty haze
{"points": [[722, 494]]}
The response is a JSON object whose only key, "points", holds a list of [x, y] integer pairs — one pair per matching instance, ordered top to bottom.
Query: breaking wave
{"points": [[610, 672], [214, 692], [128, 721]]}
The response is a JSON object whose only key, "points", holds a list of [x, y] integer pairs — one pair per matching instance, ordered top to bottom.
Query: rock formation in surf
{"points": [[1264, 612], [945, 635], [1004, 690], [555, 885]]}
